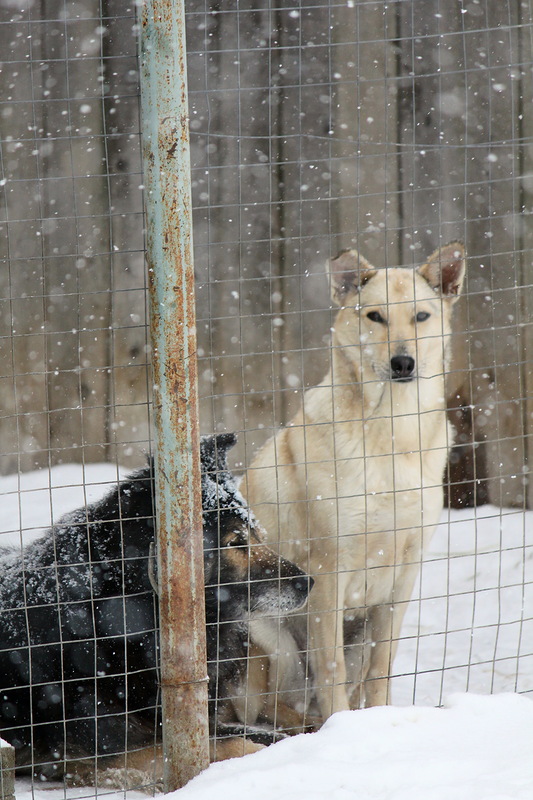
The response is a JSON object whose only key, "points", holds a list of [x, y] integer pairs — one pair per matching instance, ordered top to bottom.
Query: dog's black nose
{"points": [[402, 368], [303, 584]]}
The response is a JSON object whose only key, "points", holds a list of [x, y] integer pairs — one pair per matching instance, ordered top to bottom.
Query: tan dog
{"points": [[351, 490]]}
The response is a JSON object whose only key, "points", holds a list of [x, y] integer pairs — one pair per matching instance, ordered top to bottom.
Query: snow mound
{"points": [[475, 748]]}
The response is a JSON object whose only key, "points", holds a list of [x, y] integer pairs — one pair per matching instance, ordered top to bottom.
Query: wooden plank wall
{"points": [[462, 77], [260, 115], [391, 127], [526, 241], [74, 342]]}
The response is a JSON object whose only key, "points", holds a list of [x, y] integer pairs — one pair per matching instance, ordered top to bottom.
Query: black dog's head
{"points": [[244, 578]]}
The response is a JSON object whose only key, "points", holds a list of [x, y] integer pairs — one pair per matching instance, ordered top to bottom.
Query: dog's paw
{"points": [[129, 779]]}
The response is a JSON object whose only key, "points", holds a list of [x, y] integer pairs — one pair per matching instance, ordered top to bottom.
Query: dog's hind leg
{"points": [[357, 655], [234, 747], [134, 769]]}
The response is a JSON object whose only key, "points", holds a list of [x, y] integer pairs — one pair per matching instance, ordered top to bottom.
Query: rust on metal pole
{"points": [[175, 402]]}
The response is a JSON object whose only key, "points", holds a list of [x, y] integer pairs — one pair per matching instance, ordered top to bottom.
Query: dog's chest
{"points": [[390, 455], [386, 497]]}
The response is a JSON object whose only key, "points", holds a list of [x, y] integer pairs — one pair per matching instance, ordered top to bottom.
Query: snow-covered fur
{"points": [[79, 621]]}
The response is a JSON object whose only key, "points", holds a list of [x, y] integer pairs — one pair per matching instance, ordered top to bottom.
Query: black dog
{"points": [[79, 622]]}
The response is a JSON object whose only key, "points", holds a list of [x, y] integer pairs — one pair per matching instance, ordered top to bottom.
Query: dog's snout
{"points": [[402, 368], [303, 584]]}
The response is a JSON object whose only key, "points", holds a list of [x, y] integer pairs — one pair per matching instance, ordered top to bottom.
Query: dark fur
{"points": [[79, 630]]}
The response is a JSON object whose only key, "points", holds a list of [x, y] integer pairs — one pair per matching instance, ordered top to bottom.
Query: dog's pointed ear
{"points": [[445, 270], [349, 272], [223, 443], [213, 451]]}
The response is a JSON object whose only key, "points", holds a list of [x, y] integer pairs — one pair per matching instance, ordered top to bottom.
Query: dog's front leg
{"points": [[386, 629], [326, 642], [376, 682]]}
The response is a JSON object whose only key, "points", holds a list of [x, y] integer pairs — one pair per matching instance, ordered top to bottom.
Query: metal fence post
{"points": [[175, 402]]}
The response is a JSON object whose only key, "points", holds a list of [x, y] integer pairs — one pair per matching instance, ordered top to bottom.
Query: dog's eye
{"points": [[375, 316], [422, 316]]}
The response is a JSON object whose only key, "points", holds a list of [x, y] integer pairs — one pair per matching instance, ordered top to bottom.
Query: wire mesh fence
{"points": [[391, 128]]}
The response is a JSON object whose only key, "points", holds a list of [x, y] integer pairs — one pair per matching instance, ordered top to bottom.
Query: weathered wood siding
{"points": [[463, 78], [260, 116], [74, 347]]}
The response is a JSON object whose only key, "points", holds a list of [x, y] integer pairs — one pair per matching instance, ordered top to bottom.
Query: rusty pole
{"points": [[175, 403]]}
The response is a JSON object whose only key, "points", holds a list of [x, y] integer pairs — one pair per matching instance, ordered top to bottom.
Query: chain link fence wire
{"points": [[390, 127]]}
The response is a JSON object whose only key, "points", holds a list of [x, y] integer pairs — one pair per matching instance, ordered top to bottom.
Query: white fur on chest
{"points": [[381, 457], [380, 503]]}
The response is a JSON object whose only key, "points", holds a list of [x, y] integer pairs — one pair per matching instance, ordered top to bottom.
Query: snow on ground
{"points": [[32, 501], [469, 628], [477, 748]]}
